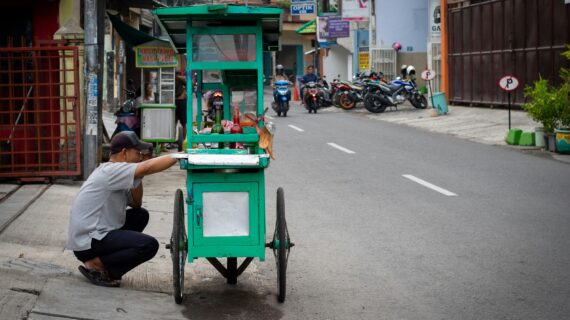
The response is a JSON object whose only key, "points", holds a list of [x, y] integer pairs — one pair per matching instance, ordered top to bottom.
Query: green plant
{"points": [[550, 105]]}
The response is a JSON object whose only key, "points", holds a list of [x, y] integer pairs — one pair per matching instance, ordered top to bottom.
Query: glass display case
{"points": [[158, 62]]}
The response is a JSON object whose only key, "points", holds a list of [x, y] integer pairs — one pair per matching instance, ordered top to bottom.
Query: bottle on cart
{"points": [[217, 128], [236, 129]]}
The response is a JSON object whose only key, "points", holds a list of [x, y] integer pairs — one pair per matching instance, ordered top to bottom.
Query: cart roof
{"points": [[175, 19]]}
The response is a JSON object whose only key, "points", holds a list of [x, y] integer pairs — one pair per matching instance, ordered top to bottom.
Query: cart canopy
{"points": [[175, 20]]}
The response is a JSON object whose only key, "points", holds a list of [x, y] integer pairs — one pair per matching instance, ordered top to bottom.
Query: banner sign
{"points": [[305, 8], [356, 9], [435, 18], [330, 28], [339, 28], [152, 57], [363, 61]]}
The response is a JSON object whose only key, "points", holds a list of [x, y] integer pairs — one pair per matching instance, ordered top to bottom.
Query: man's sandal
{"points": [[98, 278]]}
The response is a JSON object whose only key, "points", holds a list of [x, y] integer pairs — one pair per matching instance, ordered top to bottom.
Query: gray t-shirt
{"points": [[100, 206]]}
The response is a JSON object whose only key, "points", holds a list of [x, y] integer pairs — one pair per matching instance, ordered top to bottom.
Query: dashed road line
{"points": [[296, 128], [343, 149], [429, 185]]}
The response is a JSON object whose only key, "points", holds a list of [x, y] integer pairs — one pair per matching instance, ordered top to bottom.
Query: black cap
{"points": [[128, 140]]}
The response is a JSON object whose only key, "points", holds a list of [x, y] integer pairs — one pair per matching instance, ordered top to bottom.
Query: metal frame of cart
{"points": [[225, 197]]}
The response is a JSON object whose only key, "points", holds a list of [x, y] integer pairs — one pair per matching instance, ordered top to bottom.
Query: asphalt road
{"points": [[389, 222], [372, 243]]}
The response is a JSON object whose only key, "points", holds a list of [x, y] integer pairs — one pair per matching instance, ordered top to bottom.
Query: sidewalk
{"points": [[39, 280]]}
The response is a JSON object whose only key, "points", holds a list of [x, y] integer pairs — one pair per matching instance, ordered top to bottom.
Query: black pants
{"points": [[124, 249]]}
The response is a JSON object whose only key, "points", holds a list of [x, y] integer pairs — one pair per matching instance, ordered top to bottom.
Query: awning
{"points": [[308, 28], [130, 35]]}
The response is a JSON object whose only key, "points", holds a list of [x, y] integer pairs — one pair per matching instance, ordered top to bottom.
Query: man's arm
{"points": [[153, 166], [137, 194]]}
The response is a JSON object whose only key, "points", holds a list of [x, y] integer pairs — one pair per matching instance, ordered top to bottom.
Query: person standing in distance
{"points": [[103, 234]]}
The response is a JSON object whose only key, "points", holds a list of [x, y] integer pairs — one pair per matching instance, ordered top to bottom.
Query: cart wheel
{"points": [[281, 245], [178, 246]]}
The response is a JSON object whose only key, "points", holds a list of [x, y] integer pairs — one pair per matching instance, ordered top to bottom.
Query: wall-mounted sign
{"points": [[305, 8], [356, 9], [434, 18], [332, 28], [152, 55], [363, 61]]}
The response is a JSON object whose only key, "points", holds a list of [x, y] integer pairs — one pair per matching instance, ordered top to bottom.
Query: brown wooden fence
{"points": [[490, 39]]}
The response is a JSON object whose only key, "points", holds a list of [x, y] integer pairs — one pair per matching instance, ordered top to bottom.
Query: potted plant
{"points": [[550, 106], [563, 131]]}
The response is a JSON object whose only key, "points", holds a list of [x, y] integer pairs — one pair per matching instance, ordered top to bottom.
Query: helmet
{"points": [[397, 46], [279, 67], [410, 70]]}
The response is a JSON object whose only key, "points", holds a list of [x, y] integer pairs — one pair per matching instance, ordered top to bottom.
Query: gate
{"points": [[493, 38], [384, 60], [39, 112]]}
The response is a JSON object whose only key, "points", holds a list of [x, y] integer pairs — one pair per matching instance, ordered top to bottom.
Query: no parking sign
{"points": [[428, 74], [509, 83]]}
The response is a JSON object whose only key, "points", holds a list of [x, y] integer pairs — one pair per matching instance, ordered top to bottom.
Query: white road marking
{"points": [[269, 117], [296, 128], [334, 145], [429, 185]]}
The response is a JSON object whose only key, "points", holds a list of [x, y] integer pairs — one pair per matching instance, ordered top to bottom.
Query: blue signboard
{"points": [[297, 9]]}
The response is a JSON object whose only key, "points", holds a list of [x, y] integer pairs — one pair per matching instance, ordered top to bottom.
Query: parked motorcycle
{"points": [[327, 91], [395, 93], [350, 94], [282, 95], [216, 98], [127, 116]]}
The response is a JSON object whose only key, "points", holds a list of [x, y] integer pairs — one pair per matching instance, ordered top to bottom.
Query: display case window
{"points": [[223, 47], [158, 85], [246, 100], [226, 214]]}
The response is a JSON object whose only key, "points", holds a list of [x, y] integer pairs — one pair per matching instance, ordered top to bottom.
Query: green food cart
{"points": [[225, 197]]}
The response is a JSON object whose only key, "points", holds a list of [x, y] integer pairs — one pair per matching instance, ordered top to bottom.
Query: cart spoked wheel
{"points": [[281, 245], [178, 246]]}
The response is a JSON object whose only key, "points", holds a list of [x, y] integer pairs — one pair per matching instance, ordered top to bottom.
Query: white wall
{"points": [[403, 21], [336, 63]]}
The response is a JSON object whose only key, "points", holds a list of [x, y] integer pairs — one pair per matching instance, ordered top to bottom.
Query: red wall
{"points": [[45, 22]]}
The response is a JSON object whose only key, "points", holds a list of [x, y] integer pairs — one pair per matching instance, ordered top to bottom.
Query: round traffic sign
{"points": [[428, 74], [508, 83]]}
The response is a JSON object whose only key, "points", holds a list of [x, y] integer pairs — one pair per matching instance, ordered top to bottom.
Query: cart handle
{"points": [[198, 216]]}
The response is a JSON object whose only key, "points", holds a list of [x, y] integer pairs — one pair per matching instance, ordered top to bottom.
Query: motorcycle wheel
{"points": [[335, 100], [346, 101], [419, 101], [373, 104], [285, 108]]}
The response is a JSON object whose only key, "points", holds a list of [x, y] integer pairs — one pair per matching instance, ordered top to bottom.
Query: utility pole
{"points": [[92, 86]]}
